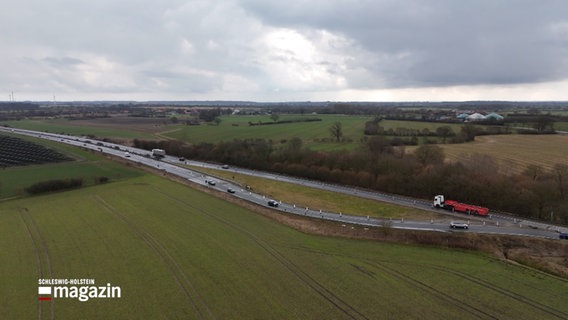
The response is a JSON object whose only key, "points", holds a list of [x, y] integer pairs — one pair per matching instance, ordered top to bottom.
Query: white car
{"points": [[459, 225]]}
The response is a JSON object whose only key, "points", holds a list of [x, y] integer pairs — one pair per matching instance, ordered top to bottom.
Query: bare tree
{"points": [[542, 123], [336, 131], [444, 132], [295, 144], [378, 145], [429, 154], [534, 172], [560, 173]]}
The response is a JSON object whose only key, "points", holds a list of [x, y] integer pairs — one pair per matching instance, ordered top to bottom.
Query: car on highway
{"points": [[126, 154], [225, 166], [211, 182], [230, 190], [273, 203], [459, 225], [563, 235]]}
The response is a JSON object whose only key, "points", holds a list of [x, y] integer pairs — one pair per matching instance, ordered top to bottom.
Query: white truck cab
{"points": [[438, 201]]}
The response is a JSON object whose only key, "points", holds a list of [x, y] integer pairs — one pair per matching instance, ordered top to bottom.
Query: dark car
{"points": [[231, 190], [273, 203], [563, 235]]}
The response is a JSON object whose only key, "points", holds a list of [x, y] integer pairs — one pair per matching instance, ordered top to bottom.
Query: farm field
{"points": [[561, 126], [106, 127], [315, 134], [513, 153], [87, 165], [14, 180], [321, 199], [179, 253]]}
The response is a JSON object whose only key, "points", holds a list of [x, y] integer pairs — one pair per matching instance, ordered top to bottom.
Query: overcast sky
{"points": [[293, 50]]}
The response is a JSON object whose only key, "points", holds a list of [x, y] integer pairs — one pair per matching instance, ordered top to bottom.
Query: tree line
{"points": [[445, 133], [54, 185], [535, 193]]}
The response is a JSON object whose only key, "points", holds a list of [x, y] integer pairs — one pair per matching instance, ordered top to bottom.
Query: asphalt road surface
{"points": [[495, 223]]}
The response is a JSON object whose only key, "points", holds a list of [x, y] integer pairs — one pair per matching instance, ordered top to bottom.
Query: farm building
{"points": [[462, 116], [494, 116], [475, 117]]}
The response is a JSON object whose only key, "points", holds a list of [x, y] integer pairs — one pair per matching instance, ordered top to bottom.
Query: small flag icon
{"points": [[42, 291]]}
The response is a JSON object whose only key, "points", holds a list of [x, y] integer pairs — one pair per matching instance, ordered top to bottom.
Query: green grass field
{"points": [[561, 126], [77, 128], [312, 133], [315, 135], [88, 165], [15, 180], [178, 253]]}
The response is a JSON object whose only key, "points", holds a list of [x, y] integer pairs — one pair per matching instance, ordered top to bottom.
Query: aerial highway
{"points": [[494, 224]]}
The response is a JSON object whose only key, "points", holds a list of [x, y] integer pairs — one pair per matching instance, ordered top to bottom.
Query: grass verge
{"points": [[320, 199]]}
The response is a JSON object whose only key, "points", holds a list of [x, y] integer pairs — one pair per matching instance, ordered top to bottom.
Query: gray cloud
{"points": [[424, 43], [255, 49], [64, 62]]}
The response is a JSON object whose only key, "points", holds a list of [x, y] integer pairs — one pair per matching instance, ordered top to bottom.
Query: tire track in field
{"points": [[42, 255], [304, 277], [404, 278], [495, 288], [515, 296], [463, 305], [201, 309], [557, 313]]}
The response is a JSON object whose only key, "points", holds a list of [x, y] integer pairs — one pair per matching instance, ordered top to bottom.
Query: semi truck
{"points": [[158, 153], [455, 206]]}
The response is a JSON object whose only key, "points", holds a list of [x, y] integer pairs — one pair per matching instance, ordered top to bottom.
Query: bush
{"points": [[101, 179], [54, 185]]}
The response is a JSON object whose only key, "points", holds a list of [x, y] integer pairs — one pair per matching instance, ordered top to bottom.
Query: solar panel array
{"points": [[19, 152]]}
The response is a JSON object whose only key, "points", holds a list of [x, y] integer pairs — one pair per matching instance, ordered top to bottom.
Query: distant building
{"points": [[462, 116], [494, 116], [475, 117]]}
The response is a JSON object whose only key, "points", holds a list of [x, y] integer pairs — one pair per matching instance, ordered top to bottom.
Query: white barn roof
{"points": [[495, 116], [475, 117]]}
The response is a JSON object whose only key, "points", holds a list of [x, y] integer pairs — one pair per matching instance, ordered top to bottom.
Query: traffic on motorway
{"points": [[494, 223]]}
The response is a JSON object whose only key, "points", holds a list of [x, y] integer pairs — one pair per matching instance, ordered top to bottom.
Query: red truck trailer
{"points": [[440, 202]]}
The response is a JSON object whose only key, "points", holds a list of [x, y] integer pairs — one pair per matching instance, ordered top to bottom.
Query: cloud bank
{"points": [[285, 50]]}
